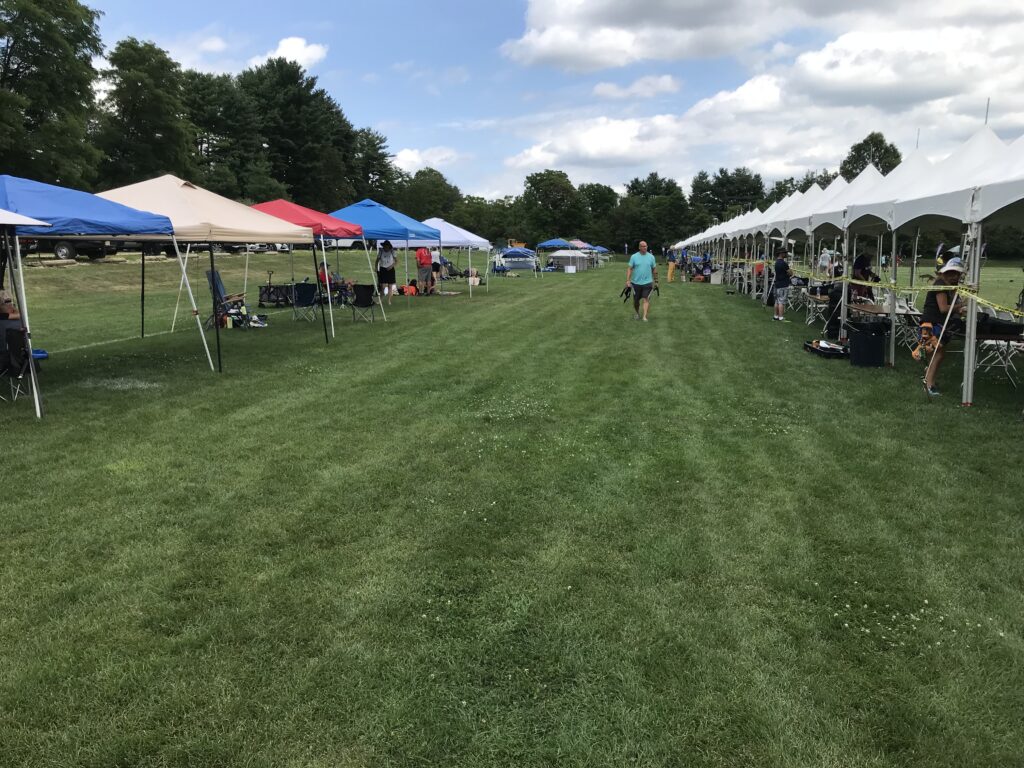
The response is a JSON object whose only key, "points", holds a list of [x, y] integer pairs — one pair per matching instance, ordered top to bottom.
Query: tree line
{"points": [[272, 131]]}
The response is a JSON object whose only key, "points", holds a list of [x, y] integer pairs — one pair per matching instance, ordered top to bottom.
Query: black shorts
{"points": [[435, 267], [386, 276], [642, 291]]}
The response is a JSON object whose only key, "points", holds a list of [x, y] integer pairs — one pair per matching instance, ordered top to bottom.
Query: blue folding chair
{"points": [[233, 303]]}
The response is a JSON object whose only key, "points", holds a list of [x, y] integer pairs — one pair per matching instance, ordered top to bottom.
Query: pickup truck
{"points": [[68, 248]]}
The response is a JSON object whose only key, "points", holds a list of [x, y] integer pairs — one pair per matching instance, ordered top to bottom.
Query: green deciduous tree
{"points": [[46, 90], [143, 129], [310, 143], [873, 149], [374, 174], [428, 194], [551, 206]]}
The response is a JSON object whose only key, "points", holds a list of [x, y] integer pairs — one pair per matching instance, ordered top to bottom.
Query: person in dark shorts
{"points": [[435, 266], [423, 271], [641, 277], [386, 282], [782, 283], [936, 310]]}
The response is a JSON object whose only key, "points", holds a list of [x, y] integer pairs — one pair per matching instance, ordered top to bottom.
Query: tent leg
{"points": [[973, 239], [913, 260], [846, 271], [407, 274], [327, 276], [373, 276], [245, 280], [181, 283], [19, 286], [191, 297], [142, 300], [892, 306], [323, 315], [216, 319]]}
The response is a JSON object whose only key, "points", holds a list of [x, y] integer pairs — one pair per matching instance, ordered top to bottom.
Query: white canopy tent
{"points": [[831, 214], [200, 216]]}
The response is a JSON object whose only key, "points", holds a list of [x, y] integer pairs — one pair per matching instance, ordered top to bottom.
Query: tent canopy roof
{"points": [[71, 212], [199, 215], [9, 218], [320, 223], [382, 223], [451, 237], [554, 244]]}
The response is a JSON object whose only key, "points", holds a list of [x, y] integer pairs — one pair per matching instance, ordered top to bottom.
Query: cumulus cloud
{"points": [[213, 44], [295, 49], [889, 67], [644, 88], [412, 160]]}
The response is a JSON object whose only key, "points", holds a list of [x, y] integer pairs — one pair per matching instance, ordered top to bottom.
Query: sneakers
{"points": [[636, 315], [645, 319], [931, 391]]}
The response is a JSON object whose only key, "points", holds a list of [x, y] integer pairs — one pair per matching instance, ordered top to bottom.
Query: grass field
{"points": [[521, 530]]}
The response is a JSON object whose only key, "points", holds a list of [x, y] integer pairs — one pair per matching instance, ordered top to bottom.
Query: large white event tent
{"points": [[979, 182], [200, 216]]}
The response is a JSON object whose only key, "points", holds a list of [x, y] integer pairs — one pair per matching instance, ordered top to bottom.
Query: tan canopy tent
{"points": [[200, 216]]}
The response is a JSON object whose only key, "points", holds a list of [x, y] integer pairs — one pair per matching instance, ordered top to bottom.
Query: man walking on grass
{"points": [[641, 277], [782, 283]]}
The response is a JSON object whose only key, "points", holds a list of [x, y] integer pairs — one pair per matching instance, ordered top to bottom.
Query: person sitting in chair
{"points": [[862, 271], [938, 306]]}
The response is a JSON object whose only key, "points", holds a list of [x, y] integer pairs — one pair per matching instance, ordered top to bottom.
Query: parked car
{"points": [[282, 247], [69, 249]]}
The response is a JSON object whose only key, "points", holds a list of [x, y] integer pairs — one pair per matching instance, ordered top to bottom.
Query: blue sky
{"points": [[488, 92]]}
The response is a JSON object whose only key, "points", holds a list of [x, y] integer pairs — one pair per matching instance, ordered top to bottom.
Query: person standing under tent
{"points": [[386, 262], [671, 265], [435, 266], [423, 271], [862, 271], [641, 277], [782, 283], [936, 310]]}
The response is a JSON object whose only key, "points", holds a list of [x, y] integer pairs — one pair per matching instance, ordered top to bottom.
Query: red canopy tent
{"points": [[322, 226]]}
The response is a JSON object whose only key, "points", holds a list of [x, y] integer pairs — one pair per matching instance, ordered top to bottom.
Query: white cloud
{"points": [[213, 44], [295, 49], [927, 65], [644, 88], [412, 160]]}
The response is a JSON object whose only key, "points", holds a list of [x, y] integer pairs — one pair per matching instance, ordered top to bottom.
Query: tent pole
{"points": [[973, 237], [469, 252], [291, 257], [913, 261], [490, 264], [407, 273], [327, 277], [373, 277], [181, 283], [846, 288], [19, 289], [191, 297], [142, 300], [892, 304], [323, 315], [216, 319]]}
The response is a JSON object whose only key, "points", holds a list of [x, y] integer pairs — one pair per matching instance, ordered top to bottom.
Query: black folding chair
{"points": [[304, 301], [227, 303], [363, 303], [15, 363]]}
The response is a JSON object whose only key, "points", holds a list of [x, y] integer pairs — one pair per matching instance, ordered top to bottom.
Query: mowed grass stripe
{"points": [[521, 529]]}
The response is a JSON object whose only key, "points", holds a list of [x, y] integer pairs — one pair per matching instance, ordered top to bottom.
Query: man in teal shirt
{"points": [[641, 276]]}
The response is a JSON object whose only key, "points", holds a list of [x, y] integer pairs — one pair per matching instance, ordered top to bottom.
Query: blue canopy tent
{"points": [[72, 213], [382, 223], [556, 244], [600, 249]]}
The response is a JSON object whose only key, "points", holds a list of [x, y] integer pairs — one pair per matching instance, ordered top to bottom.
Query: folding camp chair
{"points": [[304, 301], [363, 302], [227, 304], [14, 366]]}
